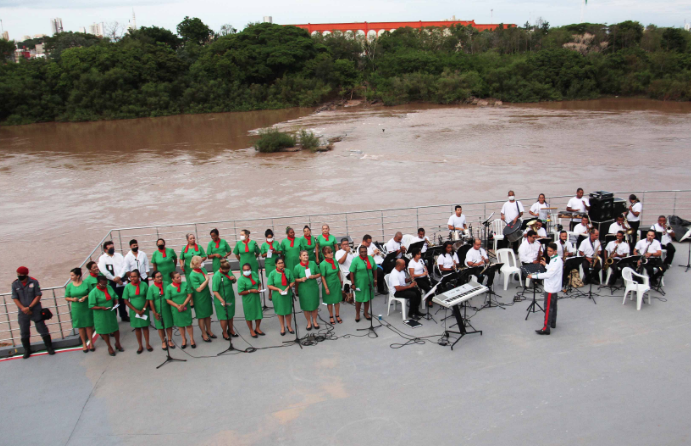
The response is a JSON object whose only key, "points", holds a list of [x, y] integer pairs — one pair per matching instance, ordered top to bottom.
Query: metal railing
{"points": [[380, 224]]}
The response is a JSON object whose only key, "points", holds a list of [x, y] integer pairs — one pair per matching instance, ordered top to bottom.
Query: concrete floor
{"points": [[607, 375]]}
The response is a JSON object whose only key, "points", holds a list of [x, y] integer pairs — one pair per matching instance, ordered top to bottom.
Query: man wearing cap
{"points": [[26, 293]]}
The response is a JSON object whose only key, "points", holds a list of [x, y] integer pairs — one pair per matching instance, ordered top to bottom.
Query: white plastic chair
{"points": [[498, 229], [510, 267], [633, 286], [393, 300]]}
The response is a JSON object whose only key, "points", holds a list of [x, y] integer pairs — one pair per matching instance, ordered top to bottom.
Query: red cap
{"points": [[23, 270]]}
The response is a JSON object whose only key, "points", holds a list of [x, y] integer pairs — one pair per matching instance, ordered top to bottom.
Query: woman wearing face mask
{"points": [[325, 239], [308, 243], [270, 246], [290, 247], [218, 249], [189, 251], [246, 251], [164, 260], [306, 274], [91, 279], [280, 281], [364, 281], [198, 283], [331, 283], [248, 288], [77, 292], [178, 297], [135, 298], [224, 298], [101, 301], [163, 317]]}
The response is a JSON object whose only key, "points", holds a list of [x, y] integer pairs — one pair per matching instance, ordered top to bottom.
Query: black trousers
{"points": [[634, 237], [670, 253], [655, 270], [590, 274], [424, 284], [381, 286], [414, 296], [122, 309], [550, 311], [25, 323]]}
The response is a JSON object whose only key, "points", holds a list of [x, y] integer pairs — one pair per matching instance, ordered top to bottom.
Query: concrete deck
{"points": [[607, 375]]}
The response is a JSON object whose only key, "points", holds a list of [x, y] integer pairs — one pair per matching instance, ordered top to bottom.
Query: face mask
{"points": [[512, 198], [242, 237], [269, 240], [161, 246], [135, 249], [111, 251], [246, 273], [22, 278]]}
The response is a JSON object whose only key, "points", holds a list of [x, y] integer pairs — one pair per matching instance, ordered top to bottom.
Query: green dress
{"points": [[322, 242], [309, 248], [223, 249], [247, 252], [291, 254], [186, 255], [270, 263], [165, 265], [331, 277], [364, 280], [91, 281], [226, 291], [308, 292], [202, 299], [138, 301], [251, 303], [283, 305], [162, 307], [82, 316], [180, 318], [105, 321]]}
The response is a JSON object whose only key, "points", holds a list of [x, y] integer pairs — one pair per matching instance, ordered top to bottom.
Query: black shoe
{"points": [[554, 325], [309, 328], [291, 331], [542, 332], [260, 333], [283, 333], [235, 335], [213, 337], [206, 340], [49, 344], [193, 345], [27, 347]]}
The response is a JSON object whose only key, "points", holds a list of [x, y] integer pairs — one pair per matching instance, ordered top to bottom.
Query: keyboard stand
{"points": [[460, 320]]}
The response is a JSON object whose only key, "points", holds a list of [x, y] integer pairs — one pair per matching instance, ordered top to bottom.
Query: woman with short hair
{"points": [[325, 239], [308, 243], [290, 247], [218, 249], [190, 250], [246, 251], [270, 251], [164, 260], [306, 274], [364, 278], [92, 279], [280, 282], [198, 283], [331, 284], [248, 288], [77, 292], [178, 297], [135, 298], [224, 298], [101, 301], [163, 317]]}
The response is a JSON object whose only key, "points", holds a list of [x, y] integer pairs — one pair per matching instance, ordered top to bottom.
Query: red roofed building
{"points": [[375, 29]]}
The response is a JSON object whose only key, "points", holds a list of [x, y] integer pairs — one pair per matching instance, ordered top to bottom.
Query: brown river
{"points": [[64, 185]]}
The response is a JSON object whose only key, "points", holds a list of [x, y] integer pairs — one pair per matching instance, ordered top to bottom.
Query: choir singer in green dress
{"points": [[325, 239], [308, 243], [290, 247], [218, 249], [190, 250], [246, 251], [270, 251], [164, 260], [306, 274], [92, 279], [364, 281], [280, 282], [198, 283], [331, 283], [248, 288], [77, 292], [178, 297], [135, 298], [224, 298], [101, 301], [163, 317]]}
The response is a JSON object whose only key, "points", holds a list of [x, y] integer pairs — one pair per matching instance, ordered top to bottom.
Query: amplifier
{"points": [[601, 194], [618, 207], [601, 208], [602, 227]]}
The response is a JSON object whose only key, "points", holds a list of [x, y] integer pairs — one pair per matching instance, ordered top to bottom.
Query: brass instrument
{"points": [[627, 227]]}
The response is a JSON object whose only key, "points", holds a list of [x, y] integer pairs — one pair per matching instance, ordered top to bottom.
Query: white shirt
{"points": [[577, 205], [537, 207], [638, 207], [510, 211], [456, 222], [615, 227], [580, 229], [541, 232], [666, 236], [393, 246], [644, 247], [569, 248], [587, 248], [622, 248], [527, 252], [475, 256], [378, 259], [447, 261], [139, 262], [345, 266], [112, 267], [418, 267], [553, 275], [396, 278]]}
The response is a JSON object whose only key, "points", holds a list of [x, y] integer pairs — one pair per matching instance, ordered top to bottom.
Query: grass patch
{"points": [[272, 140], [309, 141]]}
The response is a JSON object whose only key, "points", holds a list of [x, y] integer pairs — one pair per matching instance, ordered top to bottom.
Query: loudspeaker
{"points": [[618, 207], [600, 208]]}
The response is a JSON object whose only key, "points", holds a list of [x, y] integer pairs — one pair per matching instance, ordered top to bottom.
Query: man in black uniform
{"points": [[26, 293]]}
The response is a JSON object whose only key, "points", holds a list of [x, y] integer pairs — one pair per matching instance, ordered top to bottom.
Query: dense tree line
{"points": [[154, 72]]}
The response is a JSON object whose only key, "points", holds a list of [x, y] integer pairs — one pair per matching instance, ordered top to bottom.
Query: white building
{"points": [[268, 19], [56, 25], [132, 26], [687, 26], [82, 29], [97, 29], [5, 36]]}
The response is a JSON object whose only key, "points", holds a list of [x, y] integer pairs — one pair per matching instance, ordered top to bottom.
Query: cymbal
{"points": [[549, 209]]}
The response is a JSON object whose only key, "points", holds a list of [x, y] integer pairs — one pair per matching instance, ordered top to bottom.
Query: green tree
{"points": [[193, 30], [154, 35], [674, 39], [58, 43], [7, 48]]}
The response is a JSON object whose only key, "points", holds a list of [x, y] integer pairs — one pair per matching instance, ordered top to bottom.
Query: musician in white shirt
{"points": [[579, 203], [538, 208], [512, 210], [634, 216], [457, 221], [617, 225], [582, 228], [539, 230], [422, 237], [666, 239], [394, 245], [564, 245], [591, 248], [617, 249], [650, 249], [529, 251], [477, 257], [344, 258], [136, 259], [448, 261], [112, 266], [418, 272], [553, 278], [405, 290]]}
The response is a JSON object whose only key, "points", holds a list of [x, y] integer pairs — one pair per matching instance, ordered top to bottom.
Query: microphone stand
{"points": [[295, 322], [371, 327], [165, 335], [230, 337]]}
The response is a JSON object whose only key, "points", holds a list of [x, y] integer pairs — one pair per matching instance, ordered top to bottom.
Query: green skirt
{"points": [[335, 289], [308, 293], [364, 295], [202, 304], [283, 305], [252, 306], [221, 310], [82, 315], [166, 315], [182, 319], [105, 321], [136, 322]]}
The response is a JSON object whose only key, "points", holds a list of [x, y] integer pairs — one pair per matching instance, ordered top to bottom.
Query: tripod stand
{"points": [[687, 238], [492, 271], [590, 293], [225, 306], [532, 308], [295, 322], [371, 327], [165, 335]]}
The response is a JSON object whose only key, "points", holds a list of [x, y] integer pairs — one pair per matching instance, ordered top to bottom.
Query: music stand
{"points": [[687, 238], [415, 246], [389, 262], [537, 268], [491, 272], [371, 328]]}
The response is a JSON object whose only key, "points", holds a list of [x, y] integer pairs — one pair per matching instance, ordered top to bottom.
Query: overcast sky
{"points": [[22, 17]]}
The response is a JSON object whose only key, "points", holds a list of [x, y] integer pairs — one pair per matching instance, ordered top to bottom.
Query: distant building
{"points": [[268, 19], [56, 25], [132, 26], [687, 26], [82, 29], [97, 29], [6, 36], [38, 36], [26, 38]]}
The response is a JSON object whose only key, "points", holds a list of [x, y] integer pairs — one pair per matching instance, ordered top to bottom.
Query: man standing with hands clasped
{"points": [[552, 278], [26, 294]]}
